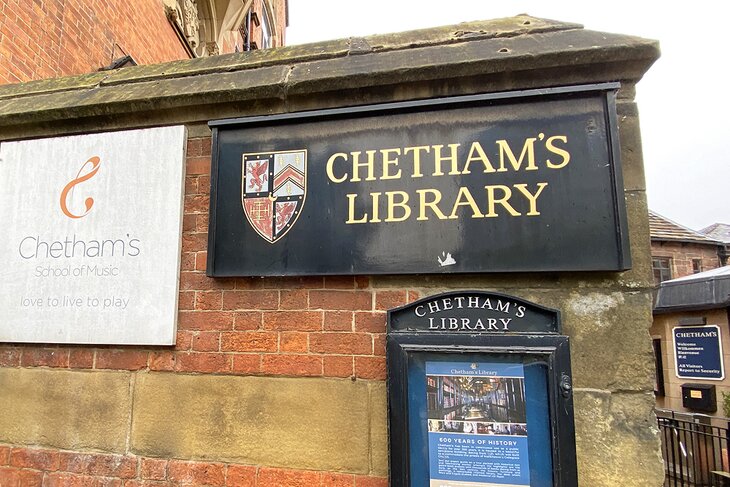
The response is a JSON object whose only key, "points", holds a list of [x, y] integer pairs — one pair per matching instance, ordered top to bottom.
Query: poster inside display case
{"points": [[485, 409]]}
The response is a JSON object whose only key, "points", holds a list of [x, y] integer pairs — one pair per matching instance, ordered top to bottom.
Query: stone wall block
{"points": [[65, 409], [318, 424], [618, 439]]}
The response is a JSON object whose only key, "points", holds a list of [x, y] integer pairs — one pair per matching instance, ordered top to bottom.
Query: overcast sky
{"points": [[683, 99]]}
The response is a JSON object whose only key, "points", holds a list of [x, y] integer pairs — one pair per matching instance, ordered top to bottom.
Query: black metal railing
{"points": [[695, 449]]}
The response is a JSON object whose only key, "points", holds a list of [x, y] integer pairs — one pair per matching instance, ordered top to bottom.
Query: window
{"points": [[266, 39], [696, 266], [662, 267]]}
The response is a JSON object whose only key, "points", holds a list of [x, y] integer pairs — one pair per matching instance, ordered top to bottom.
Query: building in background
{"points": [[52, 38], [677, 251], [691, 299]]}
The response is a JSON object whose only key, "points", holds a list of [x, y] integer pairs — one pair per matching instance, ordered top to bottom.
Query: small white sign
{"points": [[91, 237]]}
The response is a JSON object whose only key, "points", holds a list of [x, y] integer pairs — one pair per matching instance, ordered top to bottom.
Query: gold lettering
{"points": [[527, 149], [557, 151], [476, 153], [417, 158], [438, 159], [387, 162], [356, 165], [330, 167], [532, 198], [468, 200], [492, 200], [392, 204], [430, 204], [376, 207], [351, 211]]}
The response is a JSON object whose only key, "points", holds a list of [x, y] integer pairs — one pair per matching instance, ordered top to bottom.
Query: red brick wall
{"points": [[50, 38], [682, 255], [296, 327], [30, 467]]}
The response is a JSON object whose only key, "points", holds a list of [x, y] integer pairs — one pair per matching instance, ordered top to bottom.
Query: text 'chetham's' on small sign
{"points": [[526, 181]]}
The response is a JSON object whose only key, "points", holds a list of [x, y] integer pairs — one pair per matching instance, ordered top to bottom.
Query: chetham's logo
{"points": [[87, 171], [273, 190]]}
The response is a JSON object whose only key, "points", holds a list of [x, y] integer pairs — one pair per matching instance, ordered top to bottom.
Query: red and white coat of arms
{"points": [[273, 190]]}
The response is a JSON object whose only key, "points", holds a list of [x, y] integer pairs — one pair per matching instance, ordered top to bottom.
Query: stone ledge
{"points": [[520, 47]]}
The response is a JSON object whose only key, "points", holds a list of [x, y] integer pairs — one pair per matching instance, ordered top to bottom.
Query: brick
{"points": [[206, 146], [193, 148], [197, 165], [191, 185], [204, 185], [196, 203], [189, 224], [194, 242], [201, 258], [187, 261], [197, 281], [304, 282], [339, 282], [362, 282], [249, 283], [413, 296], [293, 299], [186, 300], [209, 300], [234, 300], [341, 300], [385, 300], [205, 320], [248, 320], [293, 320], [338, 320], [370, 322], [184, 339], [206, 341], [249, 341], [293, 342], [341, 343], [379, 345], [9, 357], [44, 357], [81, 358], [121, 359], [162, 361], [202, 362], [247, 363], [292, 365], [337, 366], [370, 368], [4, 455], [36, 459], [99, 465], [153, 469], [212, 474], [241, 476], [10, 477], [288, 478], [337, 480], [371, 482], [148, 483]]}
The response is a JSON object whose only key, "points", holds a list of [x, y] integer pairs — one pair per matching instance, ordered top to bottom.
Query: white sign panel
{"points": [[91, 237]]}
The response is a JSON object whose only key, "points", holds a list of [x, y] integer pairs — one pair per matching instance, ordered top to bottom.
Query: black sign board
{"points": [[516, 181], [479, 393]]}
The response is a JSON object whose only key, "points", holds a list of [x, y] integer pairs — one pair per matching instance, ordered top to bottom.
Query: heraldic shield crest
{"points": [[273, 190]]}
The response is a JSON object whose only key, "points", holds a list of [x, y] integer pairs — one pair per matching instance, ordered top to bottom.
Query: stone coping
{"points": [[529, 49]]}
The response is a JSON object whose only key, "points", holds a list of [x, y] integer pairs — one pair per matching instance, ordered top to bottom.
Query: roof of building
{"points": [[664, 229], [718, 231], [705, 290]]}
